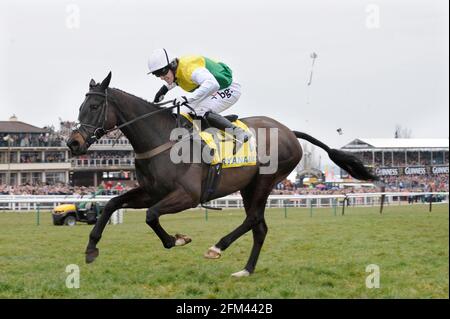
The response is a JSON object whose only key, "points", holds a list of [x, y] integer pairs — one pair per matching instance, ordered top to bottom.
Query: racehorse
{"points": [[168, 188]]}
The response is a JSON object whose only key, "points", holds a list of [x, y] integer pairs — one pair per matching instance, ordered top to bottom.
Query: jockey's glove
{"points": [[161, 93], [181, 100]]}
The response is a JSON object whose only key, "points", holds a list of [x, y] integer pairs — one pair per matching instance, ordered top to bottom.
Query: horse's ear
{"points": [[105, 82], [91, 84]]}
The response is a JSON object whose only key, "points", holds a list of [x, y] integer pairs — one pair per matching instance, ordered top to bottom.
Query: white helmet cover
{"points": [[159, 59]]}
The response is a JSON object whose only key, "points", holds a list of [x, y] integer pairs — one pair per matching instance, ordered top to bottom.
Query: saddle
{"points": [[218, 143]]}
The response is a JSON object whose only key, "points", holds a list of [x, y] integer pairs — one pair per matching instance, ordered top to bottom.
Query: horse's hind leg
{"points": [[174, 202], [254, 202], [259, 235], [215, 251]]}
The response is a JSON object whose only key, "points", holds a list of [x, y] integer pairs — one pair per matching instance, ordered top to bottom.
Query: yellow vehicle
{"points": [[310, 181], [70, 214]]}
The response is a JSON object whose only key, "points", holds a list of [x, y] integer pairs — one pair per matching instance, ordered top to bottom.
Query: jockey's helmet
{"points": [[160, 62]]}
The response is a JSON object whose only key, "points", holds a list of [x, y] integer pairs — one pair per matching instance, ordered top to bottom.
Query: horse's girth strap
{"points": [[155, 151]]}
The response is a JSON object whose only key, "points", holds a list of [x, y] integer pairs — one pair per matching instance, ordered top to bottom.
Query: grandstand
{"points": [[32, 155], [36, 156], [396, 156], [107, 160], [403, 161]]}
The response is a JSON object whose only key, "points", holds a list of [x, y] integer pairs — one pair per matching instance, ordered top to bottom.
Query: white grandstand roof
{"points": [[397, 143]]}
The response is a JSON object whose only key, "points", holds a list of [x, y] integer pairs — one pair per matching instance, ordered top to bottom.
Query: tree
{"points": [[402, 132], [311, 157]]}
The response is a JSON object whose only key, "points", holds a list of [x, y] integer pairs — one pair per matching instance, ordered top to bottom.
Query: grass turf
{"points": [[323, 256]]}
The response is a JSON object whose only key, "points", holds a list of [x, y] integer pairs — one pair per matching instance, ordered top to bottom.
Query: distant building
{"points": [[33, 155], [402, 156], [107, 160]]}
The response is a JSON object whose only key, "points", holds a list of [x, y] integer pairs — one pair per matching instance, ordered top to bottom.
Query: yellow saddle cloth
{"points": [[223, 151]]}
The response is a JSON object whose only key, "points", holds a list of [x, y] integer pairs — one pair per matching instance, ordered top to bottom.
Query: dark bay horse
{"points": [[168, 188]]}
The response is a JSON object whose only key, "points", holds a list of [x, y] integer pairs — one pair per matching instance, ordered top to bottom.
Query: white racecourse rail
{"points": [[43, 202]]}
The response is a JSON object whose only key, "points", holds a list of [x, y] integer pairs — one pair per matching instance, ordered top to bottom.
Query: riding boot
{"points": [[220, 122]]}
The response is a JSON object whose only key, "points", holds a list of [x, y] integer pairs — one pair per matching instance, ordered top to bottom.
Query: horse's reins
{"points": [[100, 131]]}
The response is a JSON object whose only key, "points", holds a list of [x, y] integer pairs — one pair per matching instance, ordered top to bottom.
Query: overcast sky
{"points": [[380, 63]]}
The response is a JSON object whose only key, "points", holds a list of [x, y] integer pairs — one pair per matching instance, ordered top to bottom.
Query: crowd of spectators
{"points": [[48, 139], [58, 139], [31, 140], [100, 155], [104, 159], [399, 159], [405, 183], [411, 183], [439, 183], [108, 188]]}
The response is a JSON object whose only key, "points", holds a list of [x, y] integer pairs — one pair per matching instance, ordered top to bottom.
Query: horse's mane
{"points": [[140, 99]]}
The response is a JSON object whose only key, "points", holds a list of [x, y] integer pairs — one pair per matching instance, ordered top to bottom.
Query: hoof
{"points": [[181, 240], [213, 253], [91, 255], [242, 273]]}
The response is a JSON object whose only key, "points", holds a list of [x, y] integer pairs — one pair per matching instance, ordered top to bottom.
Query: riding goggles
{"points": [[161, 72]]}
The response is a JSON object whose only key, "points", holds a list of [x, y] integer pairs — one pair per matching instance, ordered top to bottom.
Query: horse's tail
{"points": [[348, 162]]}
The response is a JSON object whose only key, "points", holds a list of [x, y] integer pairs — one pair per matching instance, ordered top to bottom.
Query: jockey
{"points": [[210, 84]]}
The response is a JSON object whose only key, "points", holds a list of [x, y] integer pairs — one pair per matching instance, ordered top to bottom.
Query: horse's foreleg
{"points": [[135, 198], [174, 202]]}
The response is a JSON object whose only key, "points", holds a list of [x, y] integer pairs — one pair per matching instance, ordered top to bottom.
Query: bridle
{"points": [[100, 131]]}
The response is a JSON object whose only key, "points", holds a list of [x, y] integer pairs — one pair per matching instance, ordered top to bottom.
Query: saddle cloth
{"points": [[223, 144]]}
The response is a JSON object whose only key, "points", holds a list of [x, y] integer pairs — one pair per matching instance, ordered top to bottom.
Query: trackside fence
{"points": [[41, 202]]}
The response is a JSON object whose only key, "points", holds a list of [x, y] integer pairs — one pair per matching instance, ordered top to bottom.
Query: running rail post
{"points": [[383, 196], [431, 201], [431, 204], [335, 205], [285, 208], [37, 215]]}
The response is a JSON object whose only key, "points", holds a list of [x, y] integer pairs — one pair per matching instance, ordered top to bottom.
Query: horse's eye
{"points": [[95, 106]]}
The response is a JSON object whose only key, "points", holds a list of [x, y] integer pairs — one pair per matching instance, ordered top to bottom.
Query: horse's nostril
{"points": [[73, 144]]}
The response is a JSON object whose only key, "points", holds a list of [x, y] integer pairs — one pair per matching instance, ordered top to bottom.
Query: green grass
{"points": [[323, 256]]}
